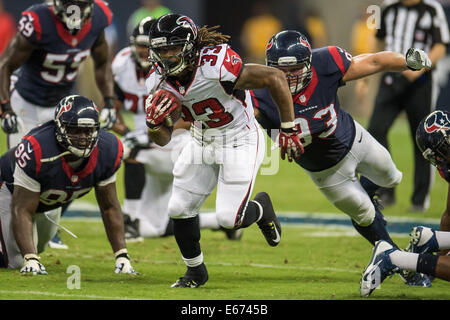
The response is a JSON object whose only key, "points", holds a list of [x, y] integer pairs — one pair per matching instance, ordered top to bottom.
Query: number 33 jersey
{"points": [[49, 73], [210, 97], [327, 131], [56, 181]]}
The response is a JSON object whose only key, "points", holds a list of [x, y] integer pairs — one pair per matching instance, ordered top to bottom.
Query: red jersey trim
{"points": [[106, 10], [71, 40], [337, 58], [308, 91], [254, 100], [37, 152], [119, 154], [87, 170]]}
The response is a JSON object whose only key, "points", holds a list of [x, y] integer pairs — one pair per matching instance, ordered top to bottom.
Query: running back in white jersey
{"points": [[133, 87], [210, 98]]}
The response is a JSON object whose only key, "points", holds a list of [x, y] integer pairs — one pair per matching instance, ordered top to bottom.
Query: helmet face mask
{"points": [[73, 13], [139, 43], [172, 44], [290, 51], [77, 125], [433, 138]]}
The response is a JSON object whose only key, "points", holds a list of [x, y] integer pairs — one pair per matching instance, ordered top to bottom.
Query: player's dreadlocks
{"points": [[208, 36]]}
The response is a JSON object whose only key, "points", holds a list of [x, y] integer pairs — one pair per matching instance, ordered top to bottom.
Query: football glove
{"points": [[417, 59], [157, 107], [108, 114], [9, 118], [133, 139], [289, 141], [123, 264], [32, 265]]}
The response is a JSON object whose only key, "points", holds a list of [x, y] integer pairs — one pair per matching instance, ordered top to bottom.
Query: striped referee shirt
{"points": [[419, 26]]}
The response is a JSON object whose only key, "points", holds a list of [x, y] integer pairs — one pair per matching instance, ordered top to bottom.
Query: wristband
{"points": [[109, 102], [5, 106], [287, 125], [121, 253], [31, 256]]}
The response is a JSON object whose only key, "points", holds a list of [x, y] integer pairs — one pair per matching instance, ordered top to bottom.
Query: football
{"points": [[175, 115]]}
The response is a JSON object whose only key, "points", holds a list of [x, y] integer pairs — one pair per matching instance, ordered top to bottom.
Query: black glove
{"points": [[9, 118]]}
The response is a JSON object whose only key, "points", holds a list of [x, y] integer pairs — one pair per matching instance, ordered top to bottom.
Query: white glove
{"points": [[417, 59], [107, 118], [134, 139], [123, 264], [32, 265]]}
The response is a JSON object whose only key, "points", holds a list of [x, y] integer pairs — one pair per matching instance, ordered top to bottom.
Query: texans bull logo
{"points": [[66, 105], [437, 121]]}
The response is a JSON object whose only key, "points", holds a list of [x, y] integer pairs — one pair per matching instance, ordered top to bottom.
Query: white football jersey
{"points": [[134, 89], [210, 98]]}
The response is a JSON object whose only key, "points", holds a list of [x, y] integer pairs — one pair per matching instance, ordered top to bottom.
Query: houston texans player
{"points": [[53, 40], [433, 140], [227, 147], [336, 148], [54, 164], [148, 167]]}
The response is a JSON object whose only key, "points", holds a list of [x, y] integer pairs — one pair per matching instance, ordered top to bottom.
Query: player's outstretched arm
{"points": [[17, 52], [371, 63], [256, 76], [105, 80], [24, 205], [113, 220]]}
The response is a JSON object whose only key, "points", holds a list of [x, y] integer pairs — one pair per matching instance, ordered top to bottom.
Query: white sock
{"points": [[130, 207], [208, 220], [443, 239], [404, 260], [194, 262]]}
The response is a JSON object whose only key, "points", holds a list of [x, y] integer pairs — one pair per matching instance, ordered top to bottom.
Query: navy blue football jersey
{"points": [[50, 72], [327, 131], [444, 172], [60, 184]]}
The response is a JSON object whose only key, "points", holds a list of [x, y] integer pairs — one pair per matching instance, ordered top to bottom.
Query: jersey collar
{"points": [[303, 96]]}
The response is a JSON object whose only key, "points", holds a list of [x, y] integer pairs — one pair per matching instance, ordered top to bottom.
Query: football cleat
{"points": [[269, 224], [131, 229], [233, 234], [423, 240], [56, 243], [379, 267], [193, 278], [415, 279]]}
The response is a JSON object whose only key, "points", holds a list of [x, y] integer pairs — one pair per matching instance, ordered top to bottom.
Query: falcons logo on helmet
{"points": [[186, 22], [437, 121]]}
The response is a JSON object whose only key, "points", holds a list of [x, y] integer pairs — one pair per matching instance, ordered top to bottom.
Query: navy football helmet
{"points": [[73, 13], [169, 31], [139, 38], [290, 50], [77, 125], [433, 137]]}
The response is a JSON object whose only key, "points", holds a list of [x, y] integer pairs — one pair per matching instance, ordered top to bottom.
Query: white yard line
{"points": [[65, 295]]}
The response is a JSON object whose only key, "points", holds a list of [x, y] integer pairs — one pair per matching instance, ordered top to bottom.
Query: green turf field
{"points": [[311, 263]]}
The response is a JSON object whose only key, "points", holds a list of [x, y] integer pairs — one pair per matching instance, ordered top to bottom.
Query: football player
{"points": [[53, 40], [198, 66], [433, 140], [336, 148], [56, 163], [148, 167]]}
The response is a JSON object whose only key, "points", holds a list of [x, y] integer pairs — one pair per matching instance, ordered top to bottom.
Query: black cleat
{"points": [[269, 224], [131, 229], [233, 234], [193, 278]]}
